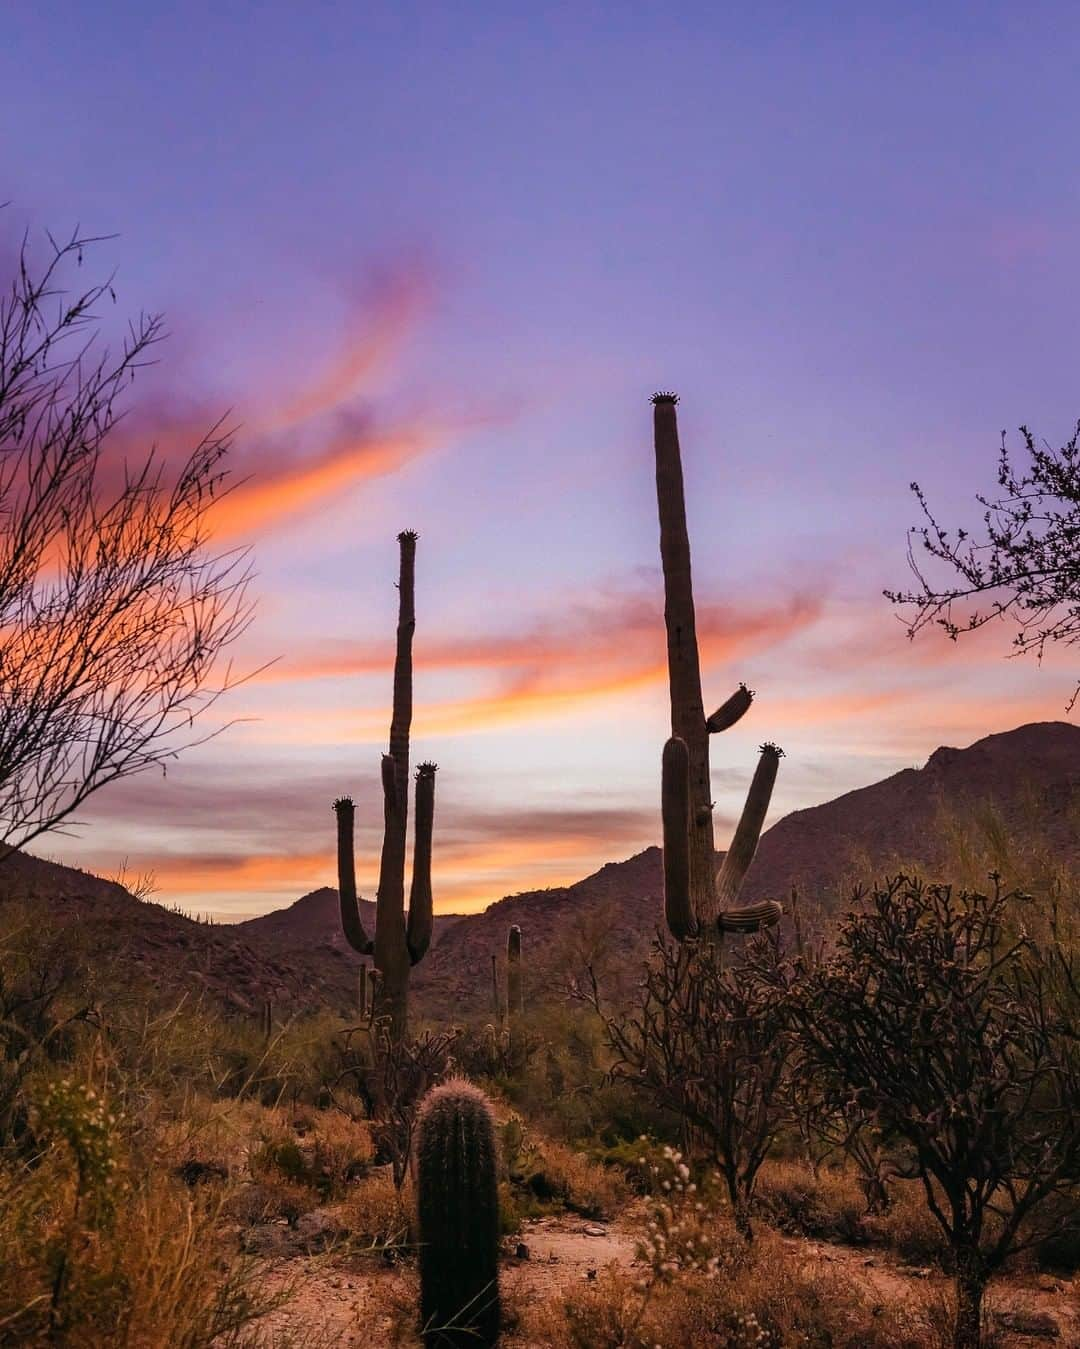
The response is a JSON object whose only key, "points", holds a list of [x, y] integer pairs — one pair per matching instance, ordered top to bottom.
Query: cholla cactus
{"points": [[695, 900], [400, 942], [78, 1115], [458, 1214]]}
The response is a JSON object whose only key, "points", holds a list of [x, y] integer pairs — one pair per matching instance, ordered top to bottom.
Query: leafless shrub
{"points": [[113, 614], [956, 1034]]}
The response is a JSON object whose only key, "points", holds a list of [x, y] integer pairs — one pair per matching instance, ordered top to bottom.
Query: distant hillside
{"points": [[1031, 776], [131, 941], [298, 957]]}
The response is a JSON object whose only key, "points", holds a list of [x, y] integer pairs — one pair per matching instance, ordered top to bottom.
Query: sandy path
{"points": [[356, 1302]]}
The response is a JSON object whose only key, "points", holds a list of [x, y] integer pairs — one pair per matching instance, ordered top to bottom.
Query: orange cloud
{"points": [[375, 330], [317, 443], [294, 486], [608, 647], [467, 875]]}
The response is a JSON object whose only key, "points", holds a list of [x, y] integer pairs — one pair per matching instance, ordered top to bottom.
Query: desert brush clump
{"points": [[697, 899], [400, 940], [955, 1032], [458, 1218]]}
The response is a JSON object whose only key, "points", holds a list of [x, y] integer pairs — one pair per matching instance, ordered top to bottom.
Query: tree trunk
{"points": [[684, 669], [970, 1286]]}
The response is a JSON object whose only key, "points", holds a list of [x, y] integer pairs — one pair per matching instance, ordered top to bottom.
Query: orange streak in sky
{"points": [[361, 355], [300, 485], [466, 876]]}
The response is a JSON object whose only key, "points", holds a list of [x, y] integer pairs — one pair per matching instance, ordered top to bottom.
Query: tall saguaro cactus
{"points": [[695, 899], [400, 942]]}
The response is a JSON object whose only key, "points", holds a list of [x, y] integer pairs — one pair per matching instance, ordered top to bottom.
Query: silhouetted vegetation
{"points": [[1022, 565], [114, 614]]}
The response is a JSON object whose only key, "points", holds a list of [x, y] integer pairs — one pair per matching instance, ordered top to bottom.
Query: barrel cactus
{"points": [[696, 900], [458, 1217]]}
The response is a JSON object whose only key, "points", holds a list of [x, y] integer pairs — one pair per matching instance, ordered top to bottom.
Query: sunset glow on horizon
{"points": [[429, 265]]}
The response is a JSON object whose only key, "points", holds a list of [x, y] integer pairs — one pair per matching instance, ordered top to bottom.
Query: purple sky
{"points": [[437, 258]]}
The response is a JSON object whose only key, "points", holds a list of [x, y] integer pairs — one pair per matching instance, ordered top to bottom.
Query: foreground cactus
{"points": [[696, 900], [399, 942], [458, 1215]]}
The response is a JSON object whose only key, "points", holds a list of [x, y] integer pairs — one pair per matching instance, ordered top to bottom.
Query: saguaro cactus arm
{"points": [[727, 714], [401, 720], [743, 846], [421, 909], [351, 923], [515, 1000]]}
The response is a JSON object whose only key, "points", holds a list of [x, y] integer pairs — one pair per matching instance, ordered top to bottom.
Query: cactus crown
{"points": [[664, 396], [770, 748], [344, 803]]}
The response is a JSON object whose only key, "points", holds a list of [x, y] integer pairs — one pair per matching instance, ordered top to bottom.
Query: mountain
{"points": [[1030, 777], [1027, 779], [131, 943]]}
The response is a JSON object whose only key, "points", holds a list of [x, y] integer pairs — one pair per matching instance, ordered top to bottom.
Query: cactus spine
{"points": [[696, 900], [400, 941], [458, 1214]]}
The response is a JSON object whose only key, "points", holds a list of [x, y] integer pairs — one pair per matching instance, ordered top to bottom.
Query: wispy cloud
{"points": [[294, 448], [597, 649], [247, 836]]}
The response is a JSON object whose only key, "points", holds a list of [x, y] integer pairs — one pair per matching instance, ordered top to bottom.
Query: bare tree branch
{"points": [[113, 612]]}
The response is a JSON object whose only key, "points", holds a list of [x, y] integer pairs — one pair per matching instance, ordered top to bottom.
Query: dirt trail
{"points": [[352, 1302], [355, 1303], [1012, 1304]]}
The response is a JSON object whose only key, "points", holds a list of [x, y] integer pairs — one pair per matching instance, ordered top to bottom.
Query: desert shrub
{"points": [[46, 1002], [955, 1033], [710, 1042], [391, 1076], [324, 1151], [583, 1185], [828, 1205], [377, 1213], [909, 1228], [1056, 1237], [104, 1249], [762, 1296]]}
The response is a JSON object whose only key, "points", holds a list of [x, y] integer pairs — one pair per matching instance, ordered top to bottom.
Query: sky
{"points": [[432, 261]]}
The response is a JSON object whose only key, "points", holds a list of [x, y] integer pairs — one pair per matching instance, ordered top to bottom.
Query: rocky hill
{"points": [[1027, 779]]}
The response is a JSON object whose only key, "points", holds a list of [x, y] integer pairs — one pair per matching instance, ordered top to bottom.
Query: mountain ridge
{"points": [[298, 958]]}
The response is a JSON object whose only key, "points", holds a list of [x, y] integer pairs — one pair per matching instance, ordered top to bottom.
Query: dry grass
{"points": [[585, 1186], [377, 1214], [141, 1263], [767, 1298]]}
